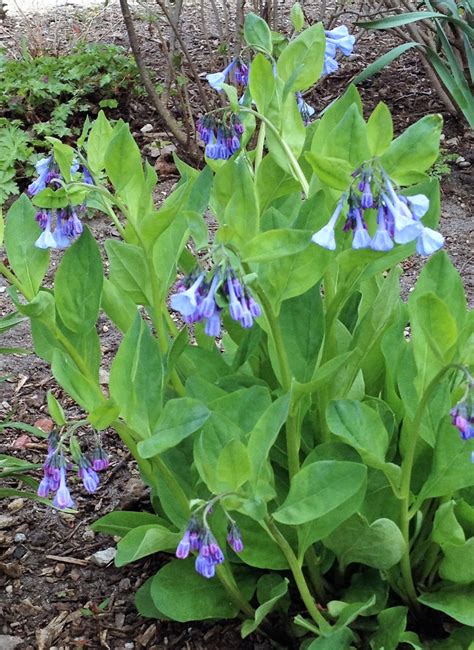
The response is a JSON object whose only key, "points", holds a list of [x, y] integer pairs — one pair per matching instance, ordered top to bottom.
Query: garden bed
{"points": [[54, 594]]}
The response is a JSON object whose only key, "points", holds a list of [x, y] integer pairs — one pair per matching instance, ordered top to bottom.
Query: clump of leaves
{"points": [[49, 92], [15, 152]]}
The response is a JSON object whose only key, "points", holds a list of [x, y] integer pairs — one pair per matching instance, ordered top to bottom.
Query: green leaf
{"points": [[297, 17], [401, 19], [257, 33], [384, 60], [301, 62], [261, 82], [379, 129], [348, 139], [98, 141], [416, 149], [123, 165], [335, 172], [49, 198], [273, 244], [167, 251], [28, 262], [128, 270], [78, 284], [118, 306], [438, 325], [302, 326], [136, 378], [84, 390], [55, 409], [103, 416], [179, 419], [360, 427], [265, 433], [233, 466], [320, 488], [120, 522], [446, 528], [145, 540], [379, 545], [260, 550], [458, 562], [184, 595], [455, 601], [144, 602], [263, 610], [392, 624], [340, 640]]}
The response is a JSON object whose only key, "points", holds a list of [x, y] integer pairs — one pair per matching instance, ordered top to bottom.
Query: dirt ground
{"points": [[52, 593]]}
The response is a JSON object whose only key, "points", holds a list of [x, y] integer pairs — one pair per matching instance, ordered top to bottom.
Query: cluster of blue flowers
{"points": [[337, 39], [240, 73], [221, 135], [398, 216], [68, 225], [202, 296], [462, 416], [56, 466], [198, 538]]}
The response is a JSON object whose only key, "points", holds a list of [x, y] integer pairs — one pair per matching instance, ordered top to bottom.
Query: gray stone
{"points": [[19, 537], [102, 558]]}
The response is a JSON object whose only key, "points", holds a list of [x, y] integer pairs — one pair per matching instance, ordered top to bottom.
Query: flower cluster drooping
{"points": [[336, 39], [240, 73], [221, 135], [398, 216], [68, 225], [202, 296], [462, 415], [56, 466], [198, 538]]}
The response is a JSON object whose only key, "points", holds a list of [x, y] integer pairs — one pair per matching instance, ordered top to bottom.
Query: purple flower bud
{"points": [[367, 199], [254, 307], [235, 309], [246, 320], [213, 324], [462, 417], [100, 459], [43, 487], [234, 538], [184, 546]]}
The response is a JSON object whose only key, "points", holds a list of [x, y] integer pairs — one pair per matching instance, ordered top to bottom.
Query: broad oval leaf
{"points": [[320, 488], [145, 540]]}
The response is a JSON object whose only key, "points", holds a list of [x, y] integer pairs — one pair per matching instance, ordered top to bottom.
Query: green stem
{"points": [[259, 148], [291, 157], [110, 197], [12, 279], [128, 438], [293, 438], [406, 472], [298, 575], [317, 580], [228, 582]]}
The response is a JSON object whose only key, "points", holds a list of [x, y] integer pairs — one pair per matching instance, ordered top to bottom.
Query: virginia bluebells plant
{"points": [[336, 39], [221, 135], [398, 217], [68, 225], [202, 296], [462, 415], [56, 466], [199, 538]]}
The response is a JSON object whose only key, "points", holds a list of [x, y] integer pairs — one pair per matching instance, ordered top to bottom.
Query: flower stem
{"points": [[298, 172], [406, 472], [228, 582], [318, 618]]}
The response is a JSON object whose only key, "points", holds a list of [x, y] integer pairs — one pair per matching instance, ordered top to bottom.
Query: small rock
{"points": [[146, 129], [460, 160], [464, 164], [103, 376], [45, 424], [16, 504], [6, 521], [88, 535], [19, 537], [39, 538], [19, 552], [105, 557], [59, 569], [75, 575], [124, 584], [9, 589], [8, 642], [129, 644]]}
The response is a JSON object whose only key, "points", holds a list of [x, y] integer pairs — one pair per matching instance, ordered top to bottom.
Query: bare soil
{"points": [[52, 594]]}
